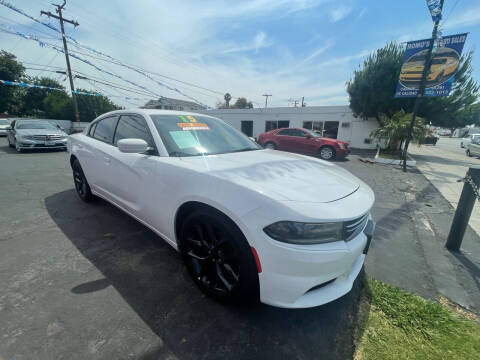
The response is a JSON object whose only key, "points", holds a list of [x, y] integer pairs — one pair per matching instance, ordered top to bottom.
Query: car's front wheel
{"points": [[18, 147], [326, 153], [81, 183], [218, 257]]}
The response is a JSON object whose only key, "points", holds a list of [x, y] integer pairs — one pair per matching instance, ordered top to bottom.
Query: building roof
{"points": [[164, 101]]}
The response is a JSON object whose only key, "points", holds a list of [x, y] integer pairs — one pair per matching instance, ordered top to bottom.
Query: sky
{"points": [[290, 49]]}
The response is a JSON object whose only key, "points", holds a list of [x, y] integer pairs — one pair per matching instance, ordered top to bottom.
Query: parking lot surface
{"points": [[85, 281]]}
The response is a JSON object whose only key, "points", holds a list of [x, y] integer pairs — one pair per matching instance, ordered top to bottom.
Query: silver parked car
{"points": [[4, 125], [36, 134], [468, 139], [473, 149]]}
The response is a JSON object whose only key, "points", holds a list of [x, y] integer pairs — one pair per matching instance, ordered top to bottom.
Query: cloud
{"points": [[339, 13], [259, 41]]}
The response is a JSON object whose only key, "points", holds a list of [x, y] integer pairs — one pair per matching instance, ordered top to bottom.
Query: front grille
{"points": [[45, 137], [353, 227]]}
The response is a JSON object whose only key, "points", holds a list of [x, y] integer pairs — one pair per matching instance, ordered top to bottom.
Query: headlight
{"points": [[341, 146], [305, 233]]}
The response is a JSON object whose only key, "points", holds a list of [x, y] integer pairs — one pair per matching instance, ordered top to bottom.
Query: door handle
{"points": [[107, 159]]}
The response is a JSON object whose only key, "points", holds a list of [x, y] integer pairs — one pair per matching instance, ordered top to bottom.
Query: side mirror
{"points": [[132, 146]]}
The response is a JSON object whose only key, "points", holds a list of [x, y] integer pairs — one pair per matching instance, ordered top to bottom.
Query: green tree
{"points": [[11, 70], [373, 85], [33, 98], [242, 103], [58, 105], [90, 107], [395, 129]]}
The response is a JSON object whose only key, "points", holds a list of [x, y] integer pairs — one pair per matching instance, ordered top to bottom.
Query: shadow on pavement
{"points": [[150, 276]]}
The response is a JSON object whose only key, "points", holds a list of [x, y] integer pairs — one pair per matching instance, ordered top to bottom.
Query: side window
{"points": [[133, 127], [105, 128], [285, 132], [299, 133]]}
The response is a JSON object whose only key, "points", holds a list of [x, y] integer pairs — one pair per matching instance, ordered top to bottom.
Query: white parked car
{"points": [[468, 139], [250, 223]]}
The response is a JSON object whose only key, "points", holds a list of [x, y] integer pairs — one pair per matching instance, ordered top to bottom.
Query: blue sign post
{"points": [[444, 63]]}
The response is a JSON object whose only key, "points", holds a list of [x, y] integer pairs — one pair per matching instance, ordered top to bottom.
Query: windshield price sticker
{"points": [[193, 126]]}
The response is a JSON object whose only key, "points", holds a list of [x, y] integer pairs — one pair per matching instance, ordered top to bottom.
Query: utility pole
{"points": [[65, 49], [421, 90], [266, 99], [303, 101], [295, 103]]}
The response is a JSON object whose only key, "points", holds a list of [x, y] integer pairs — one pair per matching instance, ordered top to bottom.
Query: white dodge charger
{"points": [[250, 223]]}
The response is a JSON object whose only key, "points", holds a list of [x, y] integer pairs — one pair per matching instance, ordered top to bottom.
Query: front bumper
{"points": [[33, 144], [341, 153], [295, 276]]}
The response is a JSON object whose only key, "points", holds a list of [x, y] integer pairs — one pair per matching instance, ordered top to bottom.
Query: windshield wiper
{"points": [[245, 149], [179, 154]]}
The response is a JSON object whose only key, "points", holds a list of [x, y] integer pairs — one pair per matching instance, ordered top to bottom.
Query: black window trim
{"points": [[94, 123], [153, 151]]}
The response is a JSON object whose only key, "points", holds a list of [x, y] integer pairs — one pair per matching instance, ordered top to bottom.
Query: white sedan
{"points": [[468, 139], [250, 223]]}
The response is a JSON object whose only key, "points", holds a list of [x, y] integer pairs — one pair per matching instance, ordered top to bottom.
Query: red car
{"points": [[303, 141]]}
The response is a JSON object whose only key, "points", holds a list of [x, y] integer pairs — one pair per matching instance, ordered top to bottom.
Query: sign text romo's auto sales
{"points": [[445, 60]]}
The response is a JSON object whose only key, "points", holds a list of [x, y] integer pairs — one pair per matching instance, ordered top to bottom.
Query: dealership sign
{"points": [[445, 60]]}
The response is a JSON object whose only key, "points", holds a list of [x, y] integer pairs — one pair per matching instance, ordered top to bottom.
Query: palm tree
{"points": [[227, 98]]}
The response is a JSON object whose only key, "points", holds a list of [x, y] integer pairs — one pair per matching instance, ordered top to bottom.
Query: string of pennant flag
{"points": [[116, 61], [26, 85]]}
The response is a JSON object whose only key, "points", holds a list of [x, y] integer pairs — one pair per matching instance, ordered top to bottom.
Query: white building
{"points": [[173, 104], [333, 121]]}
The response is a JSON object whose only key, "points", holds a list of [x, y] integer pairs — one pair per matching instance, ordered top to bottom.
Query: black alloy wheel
{"points": [[81, 183], [218, 257]]}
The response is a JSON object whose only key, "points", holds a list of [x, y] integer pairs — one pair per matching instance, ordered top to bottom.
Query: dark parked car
{"points": [[432, 140], [305, 142]]}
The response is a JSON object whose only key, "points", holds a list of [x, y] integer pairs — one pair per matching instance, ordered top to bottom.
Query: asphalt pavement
{"points": [[85, 281]]}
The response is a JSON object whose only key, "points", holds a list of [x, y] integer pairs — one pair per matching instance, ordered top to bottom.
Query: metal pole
{"points": [[65, 49], [69, 69], [421, 90], [266, 98], [464, 210]]}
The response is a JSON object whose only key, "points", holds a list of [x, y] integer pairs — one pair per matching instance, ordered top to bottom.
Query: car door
{"points": [[285, 140], [96, 155], [131, 175]]}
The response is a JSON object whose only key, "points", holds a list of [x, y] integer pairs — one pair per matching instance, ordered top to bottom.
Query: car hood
{"points": [[40, 132], [280, 175]]}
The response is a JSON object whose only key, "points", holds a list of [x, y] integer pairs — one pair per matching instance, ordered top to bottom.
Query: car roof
{"points": [[153, 112]]}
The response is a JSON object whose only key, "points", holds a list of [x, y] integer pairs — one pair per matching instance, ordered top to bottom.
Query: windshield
{"points": [[4, 122], [34, 125], [313, 133], [186, 135]]}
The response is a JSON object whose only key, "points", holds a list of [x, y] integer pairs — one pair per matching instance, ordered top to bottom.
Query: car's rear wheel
{"points": [[270, 145], [326, 153], [81, 183], [218, 257]]}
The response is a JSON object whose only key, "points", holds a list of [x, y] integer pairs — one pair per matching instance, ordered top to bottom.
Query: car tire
{"points": [[270, 145], [18, 148], [326, 153], [468, 153], [81, 184], [218, 257]]}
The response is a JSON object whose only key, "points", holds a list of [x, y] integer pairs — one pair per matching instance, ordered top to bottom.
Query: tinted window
{"points": [[34, 125], [132, 127], [105, 128], [286, 132]]}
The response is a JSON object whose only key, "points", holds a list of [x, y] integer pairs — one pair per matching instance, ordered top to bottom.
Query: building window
{"points": [[274, 124], [270, 125], [307, 125], [247, 127]]}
